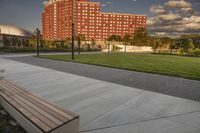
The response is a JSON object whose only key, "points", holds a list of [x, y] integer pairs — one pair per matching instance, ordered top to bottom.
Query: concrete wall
{"points": [[134, 48]]}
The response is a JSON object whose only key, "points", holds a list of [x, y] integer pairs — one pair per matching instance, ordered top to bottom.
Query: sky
{"points": [[164, 16]]}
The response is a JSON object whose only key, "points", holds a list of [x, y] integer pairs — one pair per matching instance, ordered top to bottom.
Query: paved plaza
{"points": [[178, 87], [108, 105]]}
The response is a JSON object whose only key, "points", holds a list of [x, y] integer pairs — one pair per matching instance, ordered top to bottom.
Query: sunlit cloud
{"points": [[175, 16]]}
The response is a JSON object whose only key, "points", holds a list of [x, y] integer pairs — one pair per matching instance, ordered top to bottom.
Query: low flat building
{"points": [[9, 32]]}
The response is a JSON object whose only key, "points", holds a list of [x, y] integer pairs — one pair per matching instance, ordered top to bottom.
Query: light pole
{"points": [[73, 26], [37, 32], [72, 41], [79, 44]]}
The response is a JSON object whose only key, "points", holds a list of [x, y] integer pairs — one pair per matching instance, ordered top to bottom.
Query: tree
{"points": [[115, 38], [139, 38], [126, 40], [32, 41], [6, 42], [14, 42], [23, 42], [67, 42], [165, 42], [93, 43], [107, 43], [53, 44], [155, 44], [62, 45], [172, 45], [188, 46]]}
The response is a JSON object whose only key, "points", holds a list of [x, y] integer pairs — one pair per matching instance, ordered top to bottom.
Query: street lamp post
{"points": [[73, 26], [37, 32], [72, 41], [79, 44]]}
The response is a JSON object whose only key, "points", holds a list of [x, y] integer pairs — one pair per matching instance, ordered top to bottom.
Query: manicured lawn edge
{"points": [[122, 68]]}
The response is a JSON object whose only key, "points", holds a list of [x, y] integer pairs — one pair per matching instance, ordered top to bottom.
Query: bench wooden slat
{"points": [[5, 97], [40, 105], [29, 109], [60, 111], [35, 112], [53, 113], [27, 114], [43, 116], [52, 121], [40, 124]]}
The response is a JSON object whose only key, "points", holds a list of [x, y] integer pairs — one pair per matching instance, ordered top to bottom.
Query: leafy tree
{"points": [[190, 36], [115, 38], [139, 38], [126, 40], [32, 41], [6, 42], [14, 42], [23, 42], [67, 42], [93, 42], [165, 42], [27, 43], [46, 43], [107, 43], [53, 44], [155, 44], [62, 45], [172, 45], [188, 46]]}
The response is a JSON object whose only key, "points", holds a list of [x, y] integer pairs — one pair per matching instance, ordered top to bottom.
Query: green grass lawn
{"points": [[179, 66]]}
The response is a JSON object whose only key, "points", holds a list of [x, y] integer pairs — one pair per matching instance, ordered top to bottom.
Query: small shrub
{"points": [[180, 52], [196, 52]]}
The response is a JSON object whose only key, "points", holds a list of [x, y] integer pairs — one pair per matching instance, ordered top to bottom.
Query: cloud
{"points": [[45, 2], [178, 4], [157, 9], [168, 16], [174, 17], [151, 21]]}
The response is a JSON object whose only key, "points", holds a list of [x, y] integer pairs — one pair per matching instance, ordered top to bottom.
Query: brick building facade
{"points": [[90, 22]]}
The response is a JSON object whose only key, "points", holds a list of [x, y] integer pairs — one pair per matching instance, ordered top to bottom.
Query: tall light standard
{"points": [[73, 25], [37, 32], [79, 43]]}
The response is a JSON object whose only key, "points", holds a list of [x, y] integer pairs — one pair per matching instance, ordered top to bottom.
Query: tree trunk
{"points": [[108, 48]]}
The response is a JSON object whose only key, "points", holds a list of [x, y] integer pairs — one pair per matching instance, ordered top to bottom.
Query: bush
{"points": [[180, 52], [196, 52]]}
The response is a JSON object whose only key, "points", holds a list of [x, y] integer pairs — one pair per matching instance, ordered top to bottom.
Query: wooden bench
{"points": [[35, 114]]}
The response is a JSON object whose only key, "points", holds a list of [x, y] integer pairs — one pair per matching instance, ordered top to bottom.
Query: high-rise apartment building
{"points": [[89, 20]]}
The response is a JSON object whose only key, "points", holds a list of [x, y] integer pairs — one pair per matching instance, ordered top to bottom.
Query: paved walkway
{"points": [[178, 87], [106, 107]]}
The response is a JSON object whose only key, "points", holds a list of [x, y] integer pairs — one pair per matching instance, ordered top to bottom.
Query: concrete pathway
{"points": [[178, 87], [106, 107]]}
